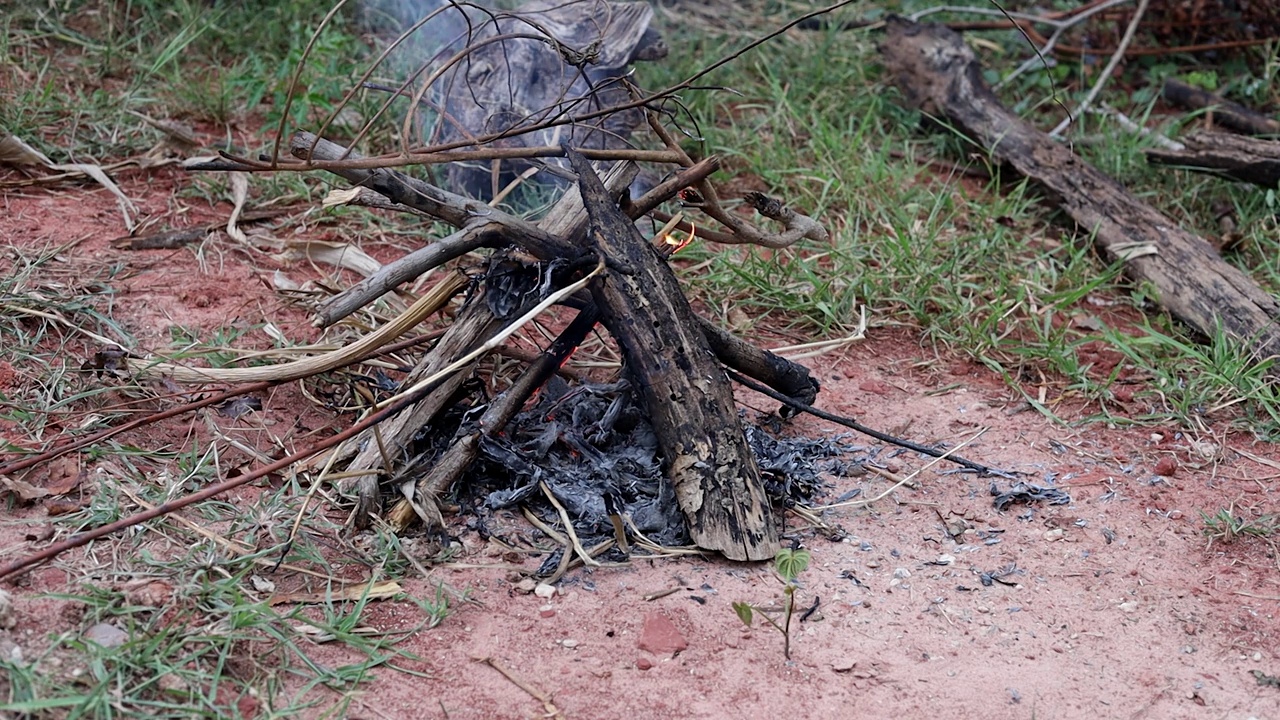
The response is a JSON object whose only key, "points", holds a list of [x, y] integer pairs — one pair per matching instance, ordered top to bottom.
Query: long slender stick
{"points": [[1107, 71], [855, 425], [101, 435], [165, 508]]}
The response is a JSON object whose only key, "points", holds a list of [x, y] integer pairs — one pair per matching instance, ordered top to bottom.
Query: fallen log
{"points": [[938, 73], [1224, 112], [1247, 159], [717, 482]]}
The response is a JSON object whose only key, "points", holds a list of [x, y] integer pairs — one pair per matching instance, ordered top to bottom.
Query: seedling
{"points": [[1227, 525], [789, 563]]}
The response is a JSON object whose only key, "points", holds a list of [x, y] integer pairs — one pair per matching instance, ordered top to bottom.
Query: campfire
{"points": [[667, 448]]}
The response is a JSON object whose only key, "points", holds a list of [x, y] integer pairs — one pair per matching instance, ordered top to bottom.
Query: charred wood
{"points": [[717, 481]]}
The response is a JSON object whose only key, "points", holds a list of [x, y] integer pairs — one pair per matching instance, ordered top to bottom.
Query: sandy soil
{"points": [[1114, 605]]}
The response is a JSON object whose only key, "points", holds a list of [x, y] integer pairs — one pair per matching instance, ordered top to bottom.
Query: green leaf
{"points": [[790, 563], [744, 612]]}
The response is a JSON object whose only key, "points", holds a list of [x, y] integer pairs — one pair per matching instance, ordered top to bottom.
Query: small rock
{"points": [[1166, 466], [1054, 534], [945, 560], [901, 573], [262, 584], [525, 586], [545, 591], [154, 594], [1130, 606], [984, 609], [546, 611], [8, 618], [106, 635], [660, 636], [571, 644], [11, 651], [643, 663], [843, 665]]}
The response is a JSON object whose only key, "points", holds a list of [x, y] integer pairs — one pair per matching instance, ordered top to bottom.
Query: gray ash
{"points": [[590, 442]]}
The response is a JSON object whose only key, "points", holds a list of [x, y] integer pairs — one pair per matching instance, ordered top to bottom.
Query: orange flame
{"points": [[675, 244]]}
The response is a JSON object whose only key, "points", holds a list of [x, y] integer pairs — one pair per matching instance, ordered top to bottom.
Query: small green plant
{"points": [[1227, 525], [789, 563]]}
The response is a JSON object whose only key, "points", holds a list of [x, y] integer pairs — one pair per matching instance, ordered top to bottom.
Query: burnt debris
{"points": [[596, 450]]}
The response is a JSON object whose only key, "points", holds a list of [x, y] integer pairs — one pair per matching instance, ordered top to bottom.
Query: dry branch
{"points": [[939, 73], [1224, 112], [1247, 159], [544, 241]]}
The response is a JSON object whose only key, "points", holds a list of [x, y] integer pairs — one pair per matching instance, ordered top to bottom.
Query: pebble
{"points": [[1054, 534], [901, 573], [526, 586], [545, 591], [1129, 607], [546, 611], [8, 618], [106, 635], [660, 636], [571, 644], [643, 663], [843, 665]]}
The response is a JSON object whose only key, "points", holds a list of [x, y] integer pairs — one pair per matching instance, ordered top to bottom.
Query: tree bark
{"points": [[937, 72], [1224, 112], [1251, 160], [717, 482]]}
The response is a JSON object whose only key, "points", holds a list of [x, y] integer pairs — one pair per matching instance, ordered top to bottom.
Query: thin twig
{"points": [[1116, 57], [855, 425], [102, 435], [75, 541], [534, 692]]}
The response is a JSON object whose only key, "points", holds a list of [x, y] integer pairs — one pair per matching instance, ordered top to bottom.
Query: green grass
{"points": [[72, 76], [973, 266], [980, 268], [1229, 524]]}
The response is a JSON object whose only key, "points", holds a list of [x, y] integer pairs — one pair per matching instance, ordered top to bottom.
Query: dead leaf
{"points": [[13, 151], [239, 195], [343, 255], [65, 474], [23, 490], [351, 593]]}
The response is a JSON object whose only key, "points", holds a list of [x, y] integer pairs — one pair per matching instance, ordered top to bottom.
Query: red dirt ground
{"points": [[1119, 607]]}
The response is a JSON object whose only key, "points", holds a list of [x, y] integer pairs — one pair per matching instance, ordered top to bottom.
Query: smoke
{"points": [[513, 75]]}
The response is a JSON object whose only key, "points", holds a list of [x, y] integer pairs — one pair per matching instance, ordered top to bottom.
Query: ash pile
{"points": [[595, 451]]}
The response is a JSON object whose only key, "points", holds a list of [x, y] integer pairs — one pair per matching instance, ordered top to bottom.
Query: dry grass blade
{"points": [[425, 307]]}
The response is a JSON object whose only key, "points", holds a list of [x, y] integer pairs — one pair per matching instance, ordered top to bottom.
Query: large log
{"points": [[937, 72], [1247, 159], [716, 479]]}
